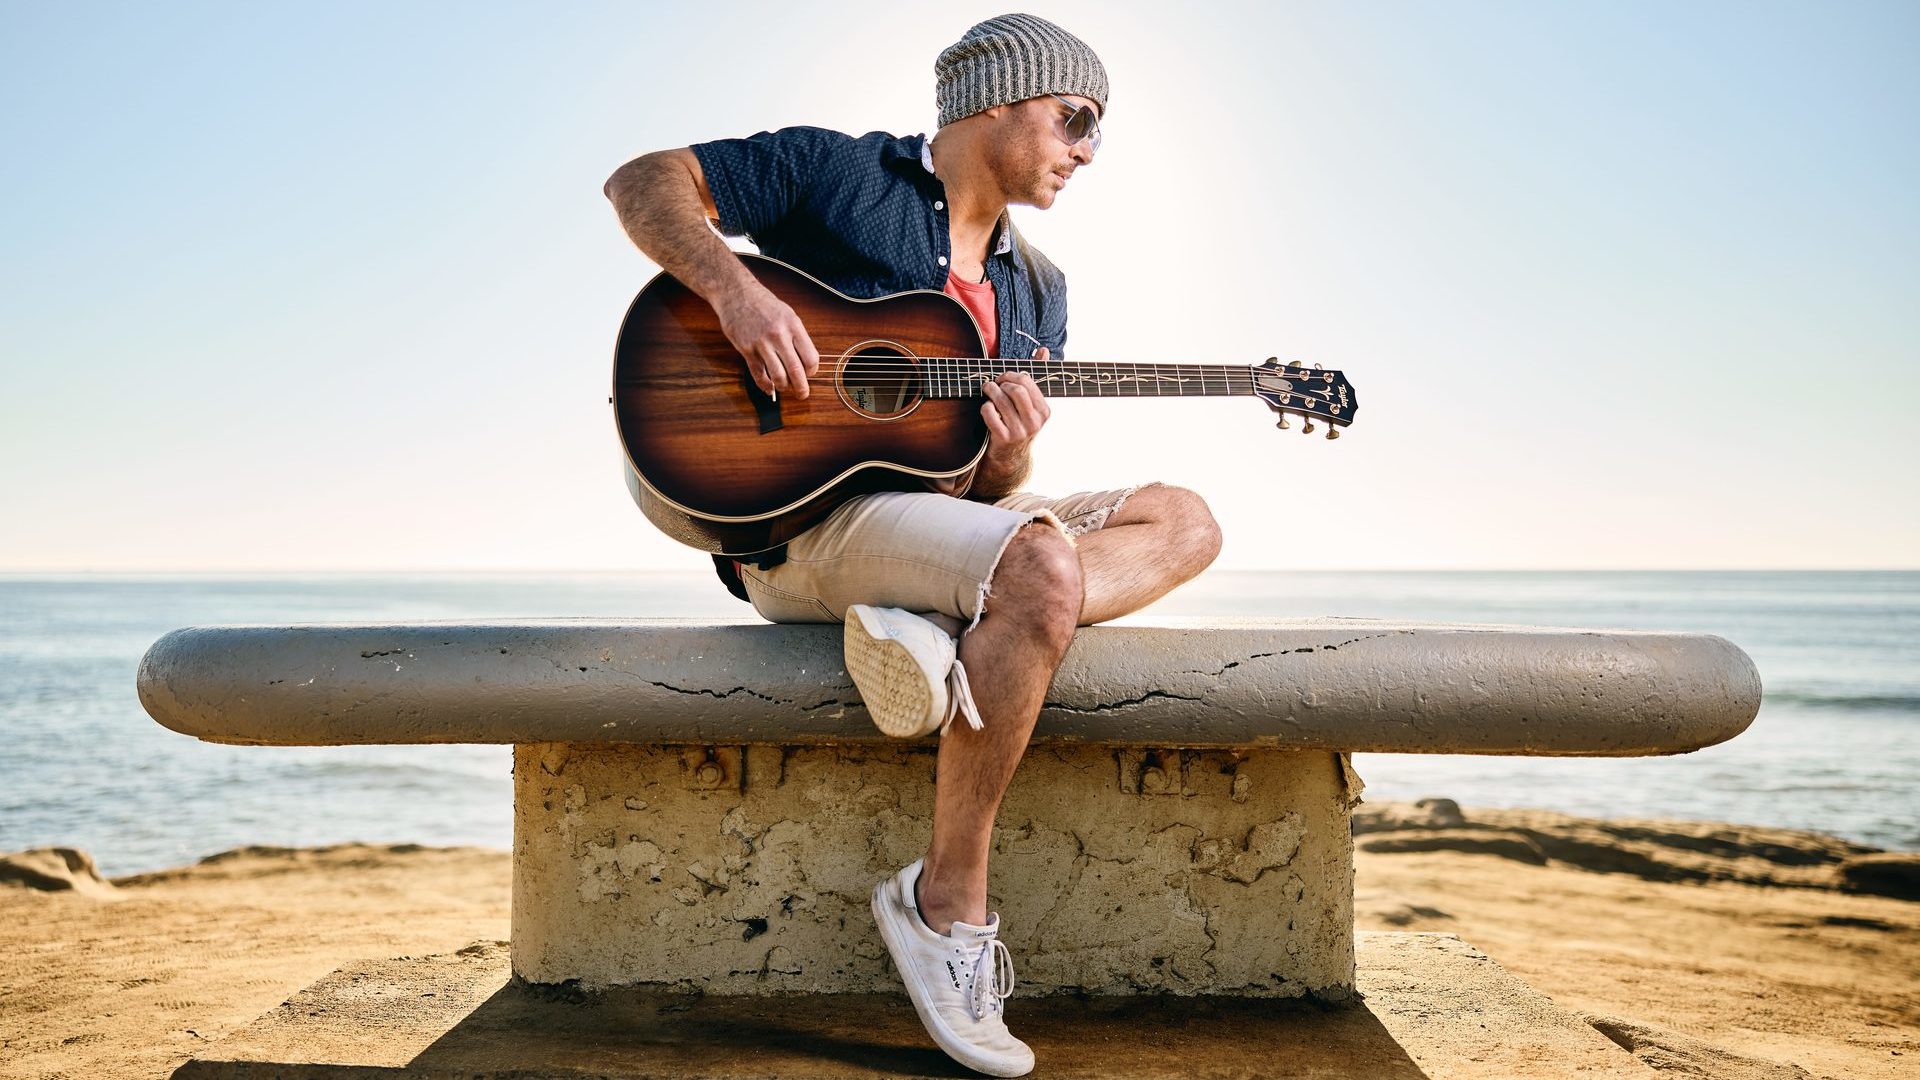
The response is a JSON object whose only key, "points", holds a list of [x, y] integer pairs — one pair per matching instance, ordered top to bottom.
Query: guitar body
{"points": [[720, 466]]}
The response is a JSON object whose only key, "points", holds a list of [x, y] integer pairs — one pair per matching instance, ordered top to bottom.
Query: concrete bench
{"points": [[706, 807]]}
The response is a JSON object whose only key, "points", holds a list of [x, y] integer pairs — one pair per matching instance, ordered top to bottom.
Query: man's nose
{"points": [[1082, 152]]}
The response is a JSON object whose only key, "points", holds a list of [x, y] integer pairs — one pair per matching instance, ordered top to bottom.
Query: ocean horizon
{"points": [[82, 765]]}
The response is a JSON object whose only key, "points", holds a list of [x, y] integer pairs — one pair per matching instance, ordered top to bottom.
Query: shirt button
{"points": [[938, 205], [942, 260]]}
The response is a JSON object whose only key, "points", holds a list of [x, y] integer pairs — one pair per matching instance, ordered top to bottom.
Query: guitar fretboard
{"points": [[949, 377]]}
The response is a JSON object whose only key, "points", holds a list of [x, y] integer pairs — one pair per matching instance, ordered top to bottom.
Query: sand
{"points": [[1680, 939]]}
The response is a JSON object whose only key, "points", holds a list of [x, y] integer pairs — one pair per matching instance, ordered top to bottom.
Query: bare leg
{"points": [[1160, 537], [1010, 656]]}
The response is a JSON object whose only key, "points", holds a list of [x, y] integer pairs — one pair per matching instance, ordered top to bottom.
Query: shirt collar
{"points": [[1005, 227]]}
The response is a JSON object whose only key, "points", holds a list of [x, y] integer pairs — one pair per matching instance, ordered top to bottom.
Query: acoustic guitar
{"points": [[717, 464]]}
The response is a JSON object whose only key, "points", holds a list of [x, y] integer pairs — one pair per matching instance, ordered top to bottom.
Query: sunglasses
{"points": [[1082, 124]]}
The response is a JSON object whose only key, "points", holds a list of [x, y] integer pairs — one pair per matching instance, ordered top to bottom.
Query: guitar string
{"points": [[1004, 363], [967, 366], [975, 366], [972, 367], [965, 373]]}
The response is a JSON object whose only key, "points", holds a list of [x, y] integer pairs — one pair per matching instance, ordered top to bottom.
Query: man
{"points": [[1020, 102]]}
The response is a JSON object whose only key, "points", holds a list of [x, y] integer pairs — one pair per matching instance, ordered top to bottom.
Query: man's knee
{"points": [[1196, 535], [1039, 577]]}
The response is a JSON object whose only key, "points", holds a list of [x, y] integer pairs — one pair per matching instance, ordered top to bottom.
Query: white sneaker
{"points": [[907, 671], [958, 982]]}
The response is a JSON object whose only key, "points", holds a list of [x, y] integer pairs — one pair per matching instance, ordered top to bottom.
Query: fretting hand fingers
{"points": [[1015, 410], [996, 428]]}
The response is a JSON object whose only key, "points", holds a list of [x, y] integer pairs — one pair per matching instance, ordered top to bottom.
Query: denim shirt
{"points": [[868, 216]]}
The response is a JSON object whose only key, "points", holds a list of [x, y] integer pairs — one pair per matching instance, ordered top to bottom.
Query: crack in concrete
{"points": [[1340, 645], [1230, 665], [1151, 694], [723, 695], [1126, 703], [1076, 869], [1206, 927]]}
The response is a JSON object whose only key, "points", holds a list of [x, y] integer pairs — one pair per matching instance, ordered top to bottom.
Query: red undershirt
{"points": [[978, 299]]}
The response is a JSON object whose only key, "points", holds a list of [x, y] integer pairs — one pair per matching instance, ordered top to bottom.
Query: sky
{"points": [[333, 286]]}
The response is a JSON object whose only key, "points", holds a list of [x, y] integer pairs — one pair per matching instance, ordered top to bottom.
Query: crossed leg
{"points": [[1160, 537], [1044, 586]]}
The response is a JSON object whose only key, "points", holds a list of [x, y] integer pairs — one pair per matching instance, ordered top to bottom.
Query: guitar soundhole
{"points": [[881, 380]]}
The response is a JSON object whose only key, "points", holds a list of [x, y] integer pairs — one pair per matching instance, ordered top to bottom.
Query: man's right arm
{"points": [[664, 204]]}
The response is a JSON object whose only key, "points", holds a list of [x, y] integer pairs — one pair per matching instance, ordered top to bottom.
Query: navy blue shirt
{"points": [[868, 216]]}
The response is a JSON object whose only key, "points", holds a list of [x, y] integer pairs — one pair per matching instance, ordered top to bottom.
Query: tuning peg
{"points": [[1316, 367], [1282, 422], [1308, 429], [1332, 432]]}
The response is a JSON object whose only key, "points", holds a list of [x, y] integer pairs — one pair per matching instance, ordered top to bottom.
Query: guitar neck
{"points": [[954, 377]]}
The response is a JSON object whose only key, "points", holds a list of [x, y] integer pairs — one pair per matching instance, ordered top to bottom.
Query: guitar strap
{"points": [[768, 559], [765, 560]]}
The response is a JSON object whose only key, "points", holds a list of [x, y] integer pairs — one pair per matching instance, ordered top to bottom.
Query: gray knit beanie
{"points": [[1012, 58]]}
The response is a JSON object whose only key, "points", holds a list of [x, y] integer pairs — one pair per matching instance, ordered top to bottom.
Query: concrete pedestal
{"points": [[748, 870]]}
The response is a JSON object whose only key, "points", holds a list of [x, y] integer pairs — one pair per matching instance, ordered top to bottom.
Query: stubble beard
{"points": [[1029, 160]]}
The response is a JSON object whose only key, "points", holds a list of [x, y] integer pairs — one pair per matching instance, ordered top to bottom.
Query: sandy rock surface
{"points": [[57, 869], [1737, 938], [1686, 952]]}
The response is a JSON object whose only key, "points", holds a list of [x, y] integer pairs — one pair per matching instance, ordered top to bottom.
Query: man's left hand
{"points": [[1015, 409]]}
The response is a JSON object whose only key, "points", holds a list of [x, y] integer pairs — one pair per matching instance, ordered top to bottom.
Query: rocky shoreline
{"points": [[1653, 849]]}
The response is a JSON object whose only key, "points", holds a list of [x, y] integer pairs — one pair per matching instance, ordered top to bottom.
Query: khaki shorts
{"points": [[915, 550]]}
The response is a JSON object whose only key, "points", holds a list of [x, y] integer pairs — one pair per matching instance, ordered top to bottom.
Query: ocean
{"points": [[81, 765]]}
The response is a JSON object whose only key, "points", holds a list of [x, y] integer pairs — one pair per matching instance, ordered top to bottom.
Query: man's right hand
{"points": [[779, 353]]}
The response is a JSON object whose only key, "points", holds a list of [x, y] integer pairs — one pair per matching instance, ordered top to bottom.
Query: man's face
{"points": [[1032, 156]]}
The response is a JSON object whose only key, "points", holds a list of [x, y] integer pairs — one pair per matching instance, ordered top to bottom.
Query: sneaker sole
{"points": [[902, 702], [892, 933]]}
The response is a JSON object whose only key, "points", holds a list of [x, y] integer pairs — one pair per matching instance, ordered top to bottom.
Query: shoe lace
{"points": [[960, 698], [992, 978]]}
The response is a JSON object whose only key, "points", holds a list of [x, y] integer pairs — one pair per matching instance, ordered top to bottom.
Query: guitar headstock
{"points": [[1308, 392]]}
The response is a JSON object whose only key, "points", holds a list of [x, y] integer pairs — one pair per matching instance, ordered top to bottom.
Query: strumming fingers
{"points": [[809, 355], [771, 368], [796, 369]]}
